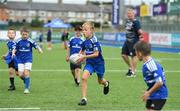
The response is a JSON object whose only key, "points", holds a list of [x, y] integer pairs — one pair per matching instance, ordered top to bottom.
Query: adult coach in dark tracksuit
{"points": [[133, 35]]}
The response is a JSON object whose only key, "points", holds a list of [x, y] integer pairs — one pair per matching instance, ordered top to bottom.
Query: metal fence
{"points": [[161, 28]]}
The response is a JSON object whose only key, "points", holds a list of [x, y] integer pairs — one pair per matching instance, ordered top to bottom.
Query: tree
{"points": [[36, 22]]}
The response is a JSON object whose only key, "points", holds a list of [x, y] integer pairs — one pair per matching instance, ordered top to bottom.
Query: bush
{"points": [[36, 22], [96, 24]]}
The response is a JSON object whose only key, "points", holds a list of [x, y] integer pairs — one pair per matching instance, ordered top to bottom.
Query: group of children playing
{"points": [[20, 52], [19, 57], [156, 94]]}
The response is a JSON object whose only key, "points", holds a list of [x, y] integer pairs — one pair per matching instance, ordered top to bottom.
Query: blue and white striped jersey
{"points": [[75, 44], [90, 46], [24, 50], [8, 57], [152, 73]]}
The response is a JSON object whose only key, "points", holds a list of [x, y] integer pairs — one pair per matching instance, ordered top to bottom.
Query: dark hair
{"points": [[78, 28], [12, 29], [25, 29], [143, 47]]}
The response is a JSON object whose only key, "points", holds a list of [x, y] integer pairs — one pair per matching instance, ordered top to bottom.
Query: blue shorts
{"points": [[99, 69]]}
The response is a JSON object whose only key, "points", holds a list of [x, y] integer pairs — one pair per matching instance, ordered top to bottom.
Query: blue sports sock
{"points": [[27, 82]]}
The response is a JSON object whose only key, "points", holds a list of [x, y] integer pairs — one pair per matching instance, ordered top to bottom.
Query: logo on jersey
{"points": [[129, 25], [28, 45], [153, 105]]}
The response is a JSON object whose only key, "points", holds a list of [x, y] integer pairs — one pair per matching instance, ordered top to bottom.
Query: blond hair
{"points": [[88, 24]]}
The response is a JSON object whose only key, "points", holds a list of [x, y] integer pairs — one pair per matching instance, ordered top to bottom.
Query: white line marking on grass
{"points": [[159, 59], [68, 70], [168, 71], [20, 108]]}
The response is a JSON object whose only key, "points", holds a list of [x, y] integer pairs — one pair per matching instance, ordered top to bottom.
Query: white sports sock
{"points": [[106, 84], [84, 98]]}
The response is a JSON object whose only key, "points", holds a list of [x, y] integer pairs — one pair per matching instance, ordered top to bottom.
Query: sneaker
{"points": [[129, 71], [11, 88], [106, 89], [26, 91], [83, 102]]}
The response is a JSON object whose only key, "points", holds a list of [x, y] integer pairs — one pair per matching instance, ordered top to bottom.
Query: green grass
{"points": [[55, 90]]}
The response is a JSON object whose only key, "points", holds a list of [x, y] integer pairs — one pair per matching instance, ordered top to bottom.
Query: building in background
{"points": [[27, 11]]}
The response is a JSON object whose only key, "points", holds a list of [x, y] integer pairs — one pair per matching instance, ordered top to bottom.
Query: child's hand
{"points": [[40, 50], [13, 55], [3, 57], [67, 58], [81, 58], [145, 96]]}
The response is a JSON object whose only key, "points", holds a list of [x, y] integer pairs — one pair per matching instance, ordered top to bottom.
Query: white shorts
{"points": [[22, 67]]}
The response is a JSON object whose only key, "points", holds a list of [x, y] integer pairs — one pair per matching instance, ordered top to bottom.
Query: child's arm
{"points": [[34, 44], [39, 50], [13, 52], [81, 52], [95, 54], [4, 56], [83, 57], [156, 86]]}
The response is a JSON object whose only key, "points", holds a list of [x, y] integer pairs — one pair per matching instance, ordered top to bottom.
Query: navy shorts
{"points": [[128, 48], [12, 65], [74, 66], [155, 104]]}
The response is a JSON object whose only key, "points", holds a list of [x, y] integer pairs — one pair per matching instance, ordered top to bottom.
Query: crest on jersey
{"points": [[129, 25], [28, 45]]}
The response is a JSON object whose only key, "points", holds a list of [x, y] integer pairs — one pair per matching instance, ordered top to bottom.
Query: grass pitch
{"points": [[53, 88]]}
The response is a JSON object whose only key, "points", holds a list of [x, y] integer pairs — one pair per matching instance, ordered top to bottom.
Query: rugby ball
{"points": [[74, 57]]}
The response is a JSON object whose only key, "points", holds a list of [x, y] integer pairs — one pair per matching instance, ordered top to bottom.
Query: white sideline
{"points": [[158, 59], [68, 70], [35, 108]]}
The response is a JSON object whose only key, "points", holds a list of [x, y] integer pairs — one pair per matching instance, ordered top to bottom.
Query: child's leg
{"points": [[72, 67], [88, 69], [21, 71], [73, 73], [100, 73], [77, 74], [27, 75], [11, 76], [85, 76], [27, 79], [102, 81], [105, 83]]}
